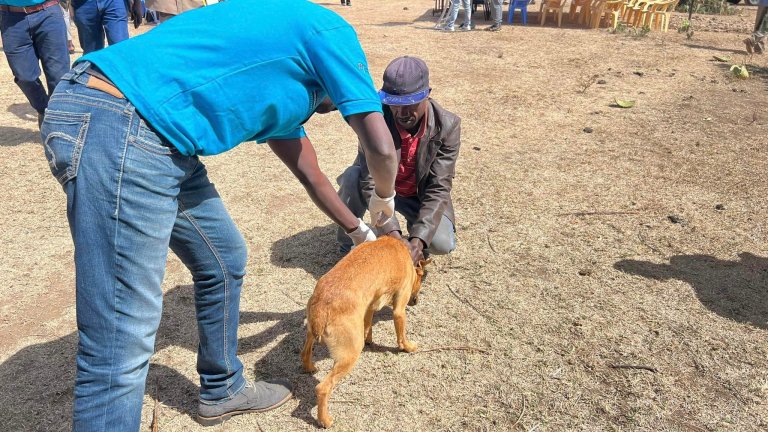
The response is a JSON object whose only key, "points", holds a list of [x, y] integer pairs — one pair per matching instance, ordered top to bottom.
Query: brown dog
{"points": [[340, 311]]}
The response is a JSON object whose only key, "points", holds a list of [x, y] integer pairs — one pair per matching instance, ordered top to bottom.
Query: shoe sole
{"points": [[213, 421]]}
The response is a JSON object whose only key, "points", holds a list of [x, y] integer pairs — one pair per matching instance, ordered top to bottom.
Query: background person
{"points": [[496, 12], [453, 13], [97, 19], [34, 33], [755, 43], [123, 136], [427, 138]]}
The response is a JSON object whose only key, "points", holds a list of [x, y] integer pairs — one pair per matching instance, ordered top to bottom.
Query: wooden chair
{"points": [[553, 6]]}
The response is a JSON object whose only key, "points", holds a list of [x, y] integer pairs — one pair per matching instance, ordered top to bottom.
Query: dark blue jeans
{"points": [[96, 18], [31, 39]]}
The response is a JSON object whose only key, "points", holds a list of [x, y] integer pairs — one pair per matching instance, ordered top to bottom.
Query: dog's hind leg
{"points": [[345, 346], [306, 353]]}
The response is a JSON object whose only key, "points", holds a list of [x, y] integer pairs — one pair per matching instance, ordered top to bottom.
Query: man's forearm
{"points": [[380, 153], [327, 200]]}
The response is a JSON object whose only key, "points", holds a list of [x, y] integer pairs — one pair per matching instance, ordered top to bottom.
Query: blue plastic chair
{"points": [[518, 4]]}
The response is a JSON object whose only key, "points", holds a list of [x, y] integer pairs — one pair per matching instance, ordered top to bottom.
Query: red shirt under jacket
{"points": [[405, 182]]}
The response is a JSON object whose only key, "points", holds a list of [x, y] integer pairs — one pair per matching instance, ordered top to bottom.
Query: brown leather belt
{"points": [[29, 9], [99, 82]]}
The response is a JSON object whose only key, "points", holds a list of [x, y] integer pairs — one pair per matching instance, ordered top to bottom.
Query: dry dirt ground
{"points": [[642, 243]]}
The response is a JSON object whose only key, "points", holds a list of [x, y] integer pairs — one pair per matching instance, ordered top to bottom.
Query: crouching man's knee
{"points": [[444, 240]]}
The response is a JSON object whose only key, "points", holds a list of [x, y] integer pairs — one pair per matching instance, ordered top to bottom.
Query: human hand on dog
{"points": [[381, 209], [362, 233], [416, 248]]}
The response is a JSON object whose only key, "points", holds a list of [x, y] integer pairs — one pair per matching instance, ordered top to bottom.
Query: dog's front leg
{"points": [[398, 313], [368, 326]]}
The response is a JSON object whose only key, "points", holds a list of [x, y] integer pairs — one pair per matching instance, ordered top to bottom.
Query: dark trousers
{"points": [[96, 19], [32, 39]]}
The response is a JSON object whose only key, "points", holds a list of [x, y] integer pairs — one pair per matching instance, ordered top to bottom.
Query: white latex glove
{"points": [[381, 209], [362, 233]]}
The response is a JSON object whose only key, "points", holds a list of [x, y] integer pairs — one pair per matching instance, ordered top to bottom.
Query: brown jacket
{"points": [[435, 169]]}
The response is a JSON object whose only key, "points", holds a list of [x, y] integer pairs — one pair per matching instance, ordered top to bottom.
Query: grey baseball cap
{"points": [[406, 82]]}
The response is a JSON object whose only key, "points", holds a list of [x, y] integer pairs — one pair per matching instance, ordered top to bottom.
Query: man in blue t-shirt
{"points": [[122, 134]]}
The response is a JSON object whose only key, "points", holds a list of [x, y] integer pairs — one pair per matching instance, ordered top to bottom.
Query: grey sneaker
{"points": [[465, 27], [495, 27], [448, 29], [253, 398]]}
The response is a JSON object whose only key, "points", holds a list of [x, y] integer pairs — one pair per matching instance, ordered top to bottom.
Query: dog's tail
{"points": [[317, 323]]}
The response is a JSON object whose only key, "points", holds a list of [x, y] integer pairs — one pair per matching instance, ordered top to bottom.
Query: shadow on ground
{"points": [[739, 51], [24, 111], [12, 136], [315, 251], [732, 289], [40, 377]]}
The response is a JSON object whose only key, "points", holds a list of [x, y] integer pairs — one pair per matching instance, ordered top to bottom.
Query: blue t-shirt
{"points": [[21, 3], [240, 70]]}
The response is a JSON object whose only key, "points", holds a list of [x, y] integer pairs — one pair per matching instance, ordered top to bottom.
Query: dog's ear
{"points": [[424, 263], [421, 265]]}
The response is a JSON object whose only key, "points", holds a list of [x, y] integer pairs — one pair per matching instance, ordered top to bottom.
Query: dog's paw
{"points": [[409, 346], [309, 368], [326, 422]]}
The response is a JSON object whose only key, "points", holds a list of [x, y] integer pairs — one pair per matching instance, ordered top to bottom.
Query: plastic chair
{"points": [[518, 4], [554, 6], [628, 8], [577, 9], [612, 11], [639, 13], [660, 15]]}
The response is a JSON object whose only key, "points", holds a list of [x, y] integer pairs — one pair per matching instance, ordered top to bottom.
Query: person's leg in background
{"points": [[496, 12], [453, 13], [96, 20], [115, 21], [68, 23], [761, 23], [467, 24], [90, 31], [29, 39], [755, 43], [51, 44], [350, 194]]}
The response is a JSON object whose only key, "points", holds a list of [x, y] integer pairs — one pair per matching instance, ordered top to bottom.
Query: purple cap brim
{"points": [[409, 99]]}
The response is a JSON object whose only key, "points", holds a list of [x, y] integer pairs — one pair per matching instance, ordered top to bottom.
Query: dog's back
{"points": [[367, 277]]}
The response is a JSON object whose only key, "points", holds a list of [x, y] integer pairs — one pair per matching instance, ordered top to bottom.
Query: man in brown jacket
{"points": [[427, 138]]}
